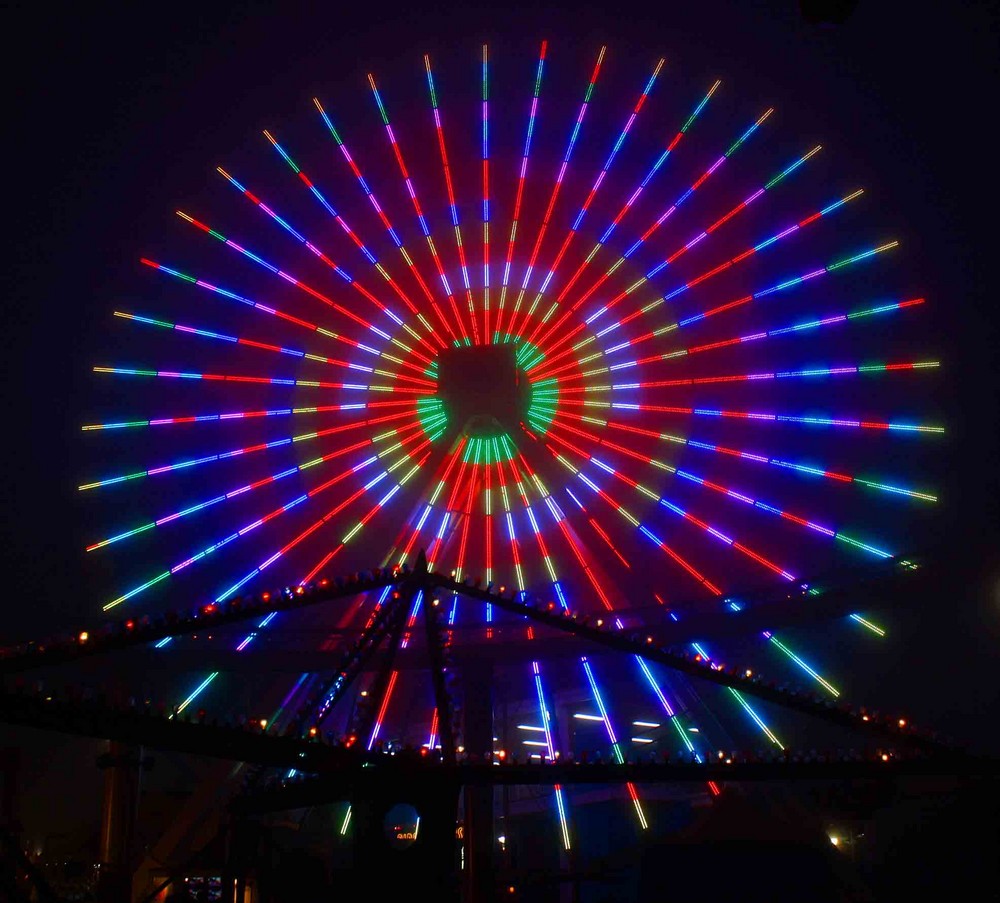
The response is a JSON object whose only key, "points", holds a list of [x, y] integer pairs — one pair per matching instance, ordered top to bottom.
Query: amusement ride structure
{"points": [[546, 434]]}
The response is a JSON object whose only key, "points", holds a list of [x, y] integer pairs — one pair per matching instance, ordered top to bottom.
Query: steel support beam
{"points": [[113, 636], [333, 787]]}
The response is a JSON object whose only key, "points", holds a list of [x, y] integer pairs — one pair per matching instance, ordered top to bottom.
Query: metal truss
{"points": [[652, 640], [331, 788]]}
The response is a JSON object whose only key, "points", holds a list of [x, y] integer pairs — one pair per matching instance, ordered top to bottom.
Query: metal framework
{"points": [[652, 640], [327, 771]]}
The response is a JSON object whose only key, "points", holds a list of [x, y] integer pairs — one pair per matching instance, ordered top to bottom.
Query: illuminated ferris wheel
{"points": [[634, 348]]}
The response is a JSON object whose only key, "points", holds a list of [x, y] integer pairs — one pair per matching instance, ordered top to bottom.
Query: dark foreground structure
{"points": [[427, 818]]}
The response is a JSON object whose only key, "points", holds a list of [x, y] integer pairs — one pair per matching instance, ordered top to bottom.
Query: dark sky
{"points": [[114, 114]]}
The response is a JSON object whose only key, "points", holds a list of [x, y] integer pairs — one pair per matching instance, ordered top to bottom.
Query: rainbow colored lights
{"points": [[714, 394]]}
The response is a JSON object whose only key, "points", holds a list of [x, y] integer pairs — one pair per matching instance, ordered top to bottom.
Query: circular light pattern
{"points": [[615, 352]]}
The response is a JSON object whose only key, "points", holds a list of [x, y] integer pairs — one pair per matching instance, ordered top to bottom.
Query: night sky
{"points": [[116, 115]]}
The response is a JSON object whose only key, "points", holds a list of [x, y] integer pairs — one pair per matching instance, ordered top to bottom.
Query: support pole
{"points": [[436, 643], [477, 699], [121, 765]]}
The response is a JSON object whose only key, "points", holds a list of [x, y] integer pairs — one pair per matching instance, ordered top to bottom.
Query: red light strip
{"points": [[442, 148], [557, 186], [412, 192], [520, 192], [486, 200], [674, 207], [618, 218], [387, 224], [568, 240], [320, 255], [708, 274], [785, 284], [309, 290], [275, 312], [187, 329], [760, 376], [263, 380], [241, 451], [745, 455], [330, 515], [708, 528], [382, 710]]}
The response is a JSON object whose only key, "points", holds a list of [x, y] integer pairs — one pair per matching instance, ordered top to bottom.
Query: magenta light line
{"points": [[766, 376], [233, 493], [729, 493]]}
